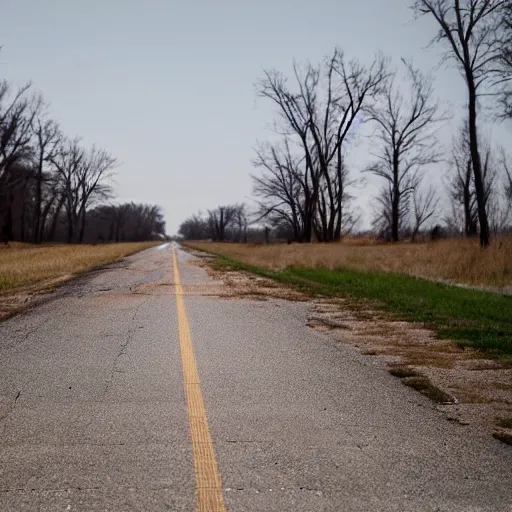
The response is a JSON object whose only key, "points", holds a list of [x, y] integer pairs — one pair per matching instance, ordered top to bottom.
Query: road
{"points": [[139, 388]]}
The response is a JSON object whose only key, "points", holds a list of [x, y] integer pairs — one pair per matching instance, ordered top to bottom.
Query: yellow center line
{"points": [[209, 496]]}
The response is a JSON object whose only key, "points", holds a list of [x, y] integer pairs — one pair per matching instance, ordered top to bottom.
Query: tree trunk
{"points": [[477, 164], [339, 199], [395, 201], [37, 207], [395, 216], [44, 217], [55, 219], [23, 220], [221, 225], [308, 226], [82, 227], [7, 228], [70, 228], [470, 228], [110, 235]]}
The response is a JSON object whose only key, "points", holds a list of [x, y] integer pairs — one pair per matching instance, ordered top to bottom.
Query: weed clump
{"points": [[402, 372], [425, 387]]}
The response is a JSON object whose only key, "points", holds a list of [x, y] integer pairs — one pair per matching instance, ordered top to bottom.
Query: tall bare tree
{"points": [[469, 27], [17, 111], [319, 113], [16, 114], [406, 130], [47, 137], [68, 160], [93, 174], [83, 178], [461, 185], [280, 187], [334, 217], [220, 219], [240, 224]]}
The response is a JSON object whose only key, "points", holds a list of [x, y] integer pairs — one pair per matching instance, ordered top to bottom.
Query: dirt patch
{"points": [[244, 284], [12, 302], [466, 386], [481, 388]]}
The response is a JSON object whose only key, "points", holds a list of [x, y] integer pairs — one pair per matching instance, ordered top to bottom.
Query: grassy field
{"points": [[460, 260], [23, 264], [475, 318]]}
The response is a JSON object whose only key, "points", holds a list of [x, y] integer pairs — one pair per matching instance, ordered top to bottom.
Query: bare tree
{"points": [[470, 27], [327, 100], [17, 110], [16, 114], [406, 129], [47, 137], [68, 160], [96, 169], [83, 180], [461, 182], [461, 185], [280, 187], [52, 202], [425, 208], [383, 213], [334, 217], [220, 219], [128, 222], [240, 224], [194, 228]]}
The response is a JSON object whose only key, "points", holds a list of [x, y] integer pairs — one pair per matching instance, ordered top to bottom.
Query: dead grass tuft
{"points": [[403, 372], [425, 387], [504, 422], [503, 437]]}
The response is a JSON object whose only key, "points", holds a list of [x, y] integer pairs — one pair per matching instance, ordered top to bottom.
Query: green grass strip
{"points": [[479, 319]]}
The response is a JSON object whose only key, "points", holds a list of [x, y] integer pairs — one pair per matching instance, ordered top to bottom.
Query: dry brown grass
{"points": [[457, 260], [23, 264]]}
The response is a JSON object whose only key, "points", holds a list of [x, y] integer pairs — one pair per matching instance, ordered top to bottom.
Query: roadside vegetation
{"points": [[457, 260], [23, 265], [470, 317]]}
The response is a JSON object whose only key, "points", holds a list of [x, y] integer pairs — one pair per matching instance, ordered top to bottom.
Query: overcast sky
{"points": [[168, 86]]}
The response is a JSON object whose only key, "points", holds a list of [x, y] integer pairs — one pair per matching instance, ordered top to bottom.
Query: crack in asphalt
{"points": [[130, 333], [8, 410], [67, 489]]}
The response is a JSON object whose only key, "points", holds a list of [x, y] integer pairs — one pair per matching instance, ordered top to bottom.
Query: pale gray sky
{"points": [[168, 86]]}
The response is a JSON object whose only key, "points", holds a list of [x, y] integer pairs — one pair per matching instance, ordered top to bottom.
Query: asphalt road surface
{"points": [[137, 388]]}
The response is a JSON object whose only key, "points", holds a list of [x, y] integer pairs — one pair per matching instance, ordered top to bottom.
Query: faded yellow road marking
{"points": [[209, 494]]}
